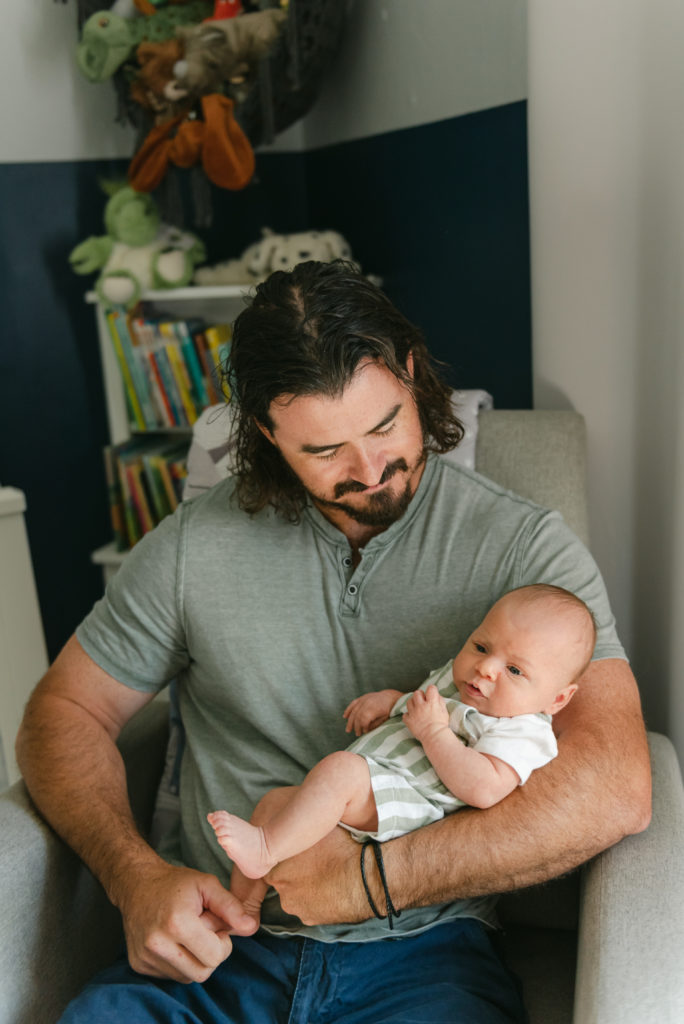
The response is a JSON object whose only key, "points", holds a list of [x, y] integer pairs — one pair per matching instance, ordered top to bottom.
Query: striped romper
{"points": [[407, 790]]}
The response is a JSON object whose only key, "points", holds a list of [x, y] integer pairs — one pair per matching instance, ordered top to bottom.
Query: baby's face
{"points": [[518, 661]]}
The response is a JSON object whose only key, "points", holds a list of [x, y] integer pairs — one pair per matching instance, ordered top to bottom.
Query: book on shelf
{"points": [[218, 338], [170, 368], [135, 413], [145, 483]]}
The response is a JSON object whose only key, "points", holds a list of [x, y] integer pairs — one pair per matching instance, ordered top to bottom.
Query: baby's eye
{"points": [[480, 648], [514, 671]]}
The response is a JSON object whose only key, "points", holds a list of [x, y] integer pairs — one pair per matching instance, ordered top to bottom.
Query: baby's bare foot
{"points": [[245, 844]]}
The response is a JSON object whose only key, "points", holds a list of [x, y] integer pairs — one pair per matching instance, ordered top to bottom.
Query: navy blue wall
{"points": [[439, 212], [52, 412]]}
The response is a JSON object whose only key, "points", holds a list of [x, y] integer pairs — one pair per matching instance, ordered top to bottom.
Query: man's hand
{"points": [[370, 710], [426, 713], [323, 884], [178, 922]]}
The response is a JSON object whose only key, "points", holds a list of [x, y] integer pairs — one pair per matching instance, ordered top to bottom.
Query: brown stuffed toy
{"points": [[220, 53], [153, 86], [215, 139]]}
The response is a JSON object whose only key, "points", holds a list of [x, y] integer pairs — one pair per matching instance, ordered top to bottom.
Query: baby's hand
{"points": [[369, 710], [426, 712]]}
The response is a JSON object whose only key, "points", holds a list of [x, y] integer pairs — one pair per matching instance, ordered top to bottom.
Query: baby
{"points": [[472, 732]]}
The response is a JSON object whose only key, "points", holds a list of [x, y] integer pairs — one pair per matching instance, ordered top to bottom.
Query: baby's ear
{"points": [[561, 699]]}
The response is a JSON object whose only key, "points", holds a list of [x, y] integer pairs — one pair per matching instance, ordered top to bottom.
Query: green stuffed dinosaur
{"points": [[108, 39], [138, 252]]}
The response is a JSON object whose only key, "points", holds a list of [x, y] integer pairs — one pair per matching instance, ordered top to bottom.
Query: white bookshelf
{"points": [[213, 303]]}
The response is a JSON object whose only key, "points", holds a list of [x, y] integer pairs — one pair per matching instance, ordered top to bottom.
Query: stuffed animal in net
{"points": [[109, 38], [282, 50], [224, 55], [211, 57], [138, 252], [276, 252]]}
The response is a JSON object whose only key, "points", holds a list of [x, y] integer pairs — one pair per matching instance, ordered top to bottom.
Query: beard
{"points": [[382, 508]]}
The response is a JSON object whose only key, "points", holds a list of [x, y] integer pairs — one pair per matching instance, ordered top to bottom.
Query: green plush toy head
{"points": [[106, 42], [132, 217]]}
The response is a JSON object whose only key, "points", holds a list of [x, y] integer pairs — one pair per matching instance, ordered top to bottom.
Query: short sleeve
{"points": [[553, 554], [135, 632], [525, 742]]}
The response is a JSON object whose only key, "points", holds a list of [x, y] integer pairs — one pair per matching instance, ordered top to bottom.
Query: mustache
{"points": [[354, 487]]}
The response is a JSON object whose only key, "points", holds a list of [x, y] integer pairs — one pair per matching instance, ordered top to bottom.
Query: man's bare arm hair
{"points": [[595, 792]]}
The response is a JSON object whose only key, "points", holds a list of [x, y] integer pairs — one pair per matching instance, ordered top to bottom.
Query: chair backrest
{"points": [[542, 456]]}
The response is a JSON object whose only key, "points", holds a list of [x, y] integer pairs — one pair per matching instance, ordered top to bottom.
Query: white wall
{"points": [[402, 63], [405, 63], [49, 110], [607, 193]]}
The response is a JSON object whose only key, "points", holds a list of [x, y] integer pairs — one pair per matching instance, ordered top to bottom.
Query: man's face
{"points": [[359, 455]]}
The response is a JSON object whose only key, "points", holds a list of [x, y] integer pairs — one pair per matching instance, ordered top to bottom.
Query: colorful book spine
{"points": [[143, 335], [219, 336], [192, 363], [137, 368], [179, 369], [168, 378], [211, 380], [134, 407], [133, 470], [179, 471], [145, 476], [167, 481], [155, 486], [115, 499], [130, 517]]}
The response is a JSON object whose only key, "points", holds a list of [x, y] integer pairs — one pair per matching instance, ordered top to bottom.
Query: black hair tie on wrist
{"points": [[392, 912]]}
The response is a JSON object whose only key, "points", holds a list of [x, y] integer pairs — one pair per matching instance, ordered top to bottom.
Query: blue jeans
{"points": [[450, 973]]}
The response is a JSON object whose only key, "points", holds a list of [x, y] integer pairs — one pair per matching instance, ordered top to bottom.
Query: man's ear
{"points": [[409, 364], [265, 431], [561, 699]]}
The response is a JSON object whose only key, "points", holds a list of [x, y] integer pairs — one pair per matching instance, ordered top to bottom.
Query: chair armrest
{"points": [[57, 927], [631, 933]]}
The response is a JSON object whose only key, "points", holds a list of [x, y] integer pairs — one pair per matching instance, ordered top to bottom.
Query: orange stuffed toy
{"points": [[217, 140]]}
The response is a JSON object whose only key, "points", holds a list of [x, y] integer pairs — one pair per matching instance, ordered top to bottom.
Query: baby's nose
{"points": [[487, 685]]}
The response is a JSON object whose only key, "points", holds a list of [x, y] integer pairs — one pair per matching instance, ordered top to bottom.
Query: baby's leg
{"points": [[337, 789], [251, 891]]}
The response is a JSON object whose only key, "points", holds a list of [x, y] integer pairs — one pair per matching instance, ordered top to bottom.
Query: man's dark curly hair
{"points": [[305, 333]]}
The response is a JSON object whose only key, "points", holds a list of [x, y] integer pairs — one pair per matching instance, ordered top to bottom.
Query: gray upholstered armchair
{"points": [[604, 945]]}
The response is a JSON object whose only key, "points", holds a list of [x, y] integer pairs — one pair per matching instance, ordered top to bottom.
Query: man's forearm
{"points": [[76, 777], [596, 791]]}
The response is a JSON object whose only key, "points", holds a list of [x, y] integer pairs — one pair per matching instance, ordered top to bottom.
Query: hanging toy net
{"points": [[287, 81]]}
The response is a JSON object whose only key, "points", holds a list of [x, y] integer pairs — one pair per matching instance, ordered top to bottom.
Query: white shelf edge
{"points": [[199, 291], [108, 555]]}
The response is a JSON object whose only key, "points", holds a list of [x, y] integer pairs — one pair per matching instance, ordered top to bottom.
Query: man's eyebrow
{"points": [[316, 449]]}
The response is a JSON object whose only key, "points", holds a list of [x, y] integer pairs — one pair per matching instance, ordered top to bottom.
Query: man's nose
{"points": [[367, 466]]}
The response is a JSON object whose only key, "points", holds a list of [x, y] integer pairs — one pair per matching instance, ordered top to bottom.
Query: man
{"points": [[345, 555]]}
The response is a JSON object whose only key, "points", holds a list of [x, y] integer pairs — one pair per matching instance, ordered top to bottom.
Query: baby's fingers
{"points": [[350, 707]]}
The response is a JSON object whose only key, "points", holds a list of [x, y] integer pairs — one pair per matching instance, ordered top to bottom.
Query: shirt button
{"points": [[346, 561], [352, 589]]}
